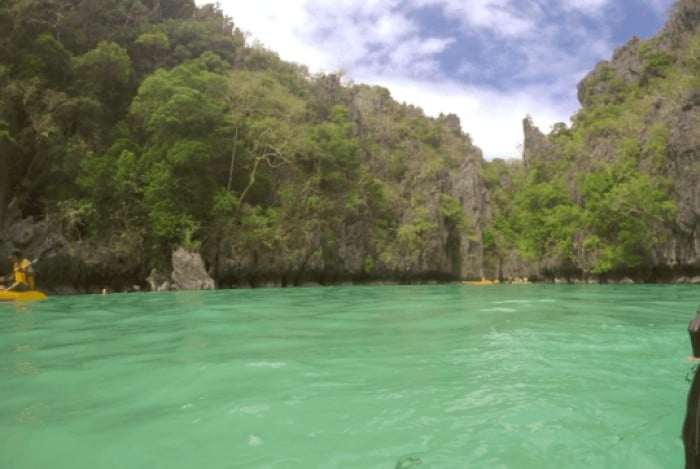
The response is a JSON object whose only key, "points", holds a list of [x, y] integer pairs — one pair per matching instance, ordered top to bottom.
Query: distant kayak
{"points": [[481, 282], [30, 295]]}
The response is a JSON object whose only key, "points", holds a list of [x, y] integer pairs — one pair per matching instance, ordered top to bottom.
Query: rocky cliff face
{"points": [[684, 18], [664, 74], [683, 121], [536, 145], [473, 197], [426, 219], [430, 229], [682, 251], [63, 265], [90, 266]]}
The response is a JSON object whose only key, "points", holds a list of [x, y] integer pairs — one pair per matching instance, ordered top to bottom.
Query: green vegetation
{"points": [[146, 125], [603, 202]]}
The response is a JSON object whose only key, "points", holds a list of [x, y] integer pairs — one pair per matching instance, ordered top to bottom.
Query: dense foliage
{"points": [[147, 124], [601, 198]]}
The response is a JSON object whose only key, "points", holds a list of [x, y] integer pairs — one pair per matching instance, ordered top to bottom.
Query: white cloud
{"points": [[588, 7], [660, 7], [502, 18], [280, 26], [354, 31], [544, 45], [415, 56], [492, 119]]}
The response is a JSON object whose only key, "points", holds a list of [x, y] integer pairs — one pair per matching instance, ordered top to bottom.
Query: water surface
{"points": [[450, 376]]}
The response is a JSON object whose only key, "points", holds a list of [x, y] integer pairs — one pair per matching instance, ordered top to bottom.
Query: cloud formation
{"points": [[491, 62]]}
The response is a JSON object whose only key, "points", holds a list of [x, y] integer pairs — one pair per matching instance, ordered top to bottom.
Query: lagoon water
{"points": [[446, 376]]}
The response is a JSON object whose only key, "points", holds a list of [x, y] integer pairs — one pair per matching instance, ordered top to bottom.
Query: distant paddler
{"points": [[22, 273], [483, 281]]}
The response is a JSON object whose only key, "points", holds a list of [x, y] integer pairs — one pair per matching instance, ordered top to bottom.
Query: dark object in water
{"points": [[694, 331], [691, 424], [407, 461]]}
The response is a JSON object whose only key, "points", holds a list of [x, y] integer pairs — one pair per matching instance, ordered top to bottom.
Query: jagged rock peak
{"points": [[684, 17], [626, 62], [452, 122], [535, 143]]}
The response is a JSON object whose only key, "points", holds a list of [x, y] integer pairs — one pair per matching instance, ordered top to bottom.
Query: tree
{"points": [[104, 74], [180, 110], [266, 119], [6, 146], [335, 150], [624, 212]]}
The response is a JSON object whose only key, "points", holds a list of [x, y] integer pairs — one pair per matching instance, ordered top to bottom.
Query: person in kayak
{"points": [[23, 273], [691, 424]]}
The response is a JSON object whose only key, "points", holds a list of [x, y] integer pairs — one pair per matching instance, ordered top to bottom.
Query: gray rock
{"points": [[189, 272], [158, 281]]}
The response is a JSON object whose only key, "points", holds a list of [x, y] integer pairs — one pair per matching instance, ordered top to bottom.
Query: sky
{"points": [[490, 62]]}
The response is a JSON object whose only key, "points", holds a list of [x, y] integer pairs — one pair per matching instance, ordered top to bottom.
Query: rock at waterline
{"points": [[189, 272]]}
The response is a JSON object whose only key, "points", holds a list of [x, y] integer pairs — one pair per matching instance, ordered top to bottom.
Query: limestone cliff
{"points": [[645, 101], [536, 146], [332, 183], [421, 219]]}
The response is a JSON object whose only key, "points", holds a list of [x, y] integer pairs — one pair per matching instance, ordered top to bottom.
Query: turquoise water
{"points": [[450, 376]]}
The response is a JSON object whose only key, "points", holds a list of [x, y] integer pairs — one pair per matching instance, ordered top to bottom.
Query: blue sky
{"points": [[491, 62]]}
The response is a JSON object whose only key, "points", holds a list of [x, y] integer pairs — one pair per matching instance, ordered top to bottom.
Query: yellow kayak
{"points": [[481, 282], [30, 295]]}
